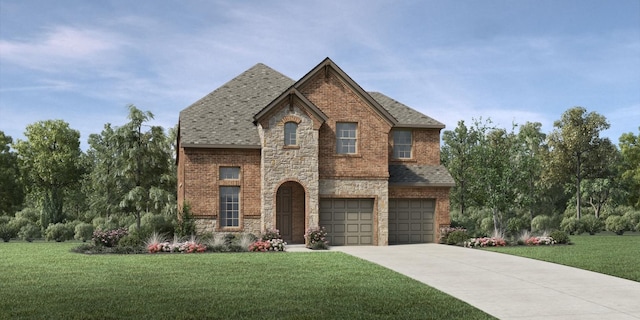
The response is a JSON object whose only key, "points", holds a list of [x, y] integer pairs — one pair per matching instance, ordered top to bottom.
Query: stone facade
{"points": [[281, 164]]}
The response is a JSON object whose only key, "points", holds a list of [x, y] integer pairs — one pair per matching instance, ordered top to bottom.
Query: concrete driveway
{"points": [[510, 287]]}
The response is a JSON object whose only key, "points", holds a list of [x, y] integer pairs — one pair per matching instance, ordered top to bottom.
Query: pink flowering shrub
{"points": [[108, 238], [317, 238], [540, 241], [486, 242], [157, 243], [260, 246]]}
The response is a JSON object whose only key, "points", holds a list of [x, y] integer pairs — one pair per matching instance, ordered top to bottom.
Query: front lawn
{"points": [[605, 253], [46, 281]]}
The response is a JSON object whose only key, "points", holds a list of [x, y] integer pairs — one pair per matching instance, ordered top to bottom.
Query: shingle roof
{"points": [[225, 116], [407, 117], [420, 175]]}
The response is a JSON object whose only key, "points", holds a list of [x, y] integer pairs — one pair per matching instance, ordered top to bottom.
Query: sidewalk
{"points": [[509, 287]]}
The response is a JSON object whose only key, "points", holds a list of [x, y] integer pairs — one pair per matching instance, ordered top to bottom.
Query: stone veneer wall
{"points": [[280, 163], [363, 188], [250, 225]]}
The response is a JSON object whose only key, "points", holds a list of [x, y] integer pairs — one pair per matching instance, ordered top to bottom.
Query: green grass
{"points": [[604, 253], [43, 280]]}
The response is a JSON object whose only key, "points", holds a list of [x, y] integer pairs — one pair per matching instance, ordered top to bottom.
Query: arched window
{"points": [[290, 132]]}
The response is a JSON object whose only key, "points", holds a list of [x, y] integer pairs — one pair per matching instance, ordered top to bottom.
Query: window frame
{"points": [[288, 134], [348, 141], [397, 153], [225, 174], [229, 215]]}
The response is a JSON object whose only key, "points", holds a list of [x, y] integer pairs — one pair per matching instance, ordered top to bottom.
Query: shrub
{"points": [[30, 214], [634, 218], [5, 219], [17, 223], [541, 223], [186, 224], [517, 224], [591, 224], [617, 224], [571, 225], [486, 226], [638, 227], [83, 231], [6, 232], [29, 232], [58, 232], [271, 234], [560, 236], [457, 237], [108, 238], [316, 238], [131, 240], [540, 241], [485, 242], [260, 246]]}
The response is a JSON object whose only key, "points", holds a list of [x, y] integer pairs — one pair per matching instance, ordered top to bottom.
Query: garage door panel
{"points": [[351, 220], [411, 220]]}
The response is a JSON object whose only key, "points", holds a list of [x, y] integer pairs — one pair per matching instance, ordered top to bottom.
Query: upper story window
{"points": [[290, 134], [346, 135], [402, 144], [229, 173]]}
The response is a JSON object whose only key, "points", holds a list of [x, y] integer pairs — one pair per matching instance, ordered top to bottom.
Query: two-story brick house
{"points": [[264, 151]]}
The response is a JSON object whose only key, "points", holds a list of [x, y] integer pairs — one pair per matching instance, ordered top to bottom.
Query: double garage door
{"points": [[350, 221]]}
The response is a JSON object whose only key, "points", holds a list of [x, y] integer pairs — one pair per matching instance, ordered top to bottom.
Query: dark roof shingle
{"points": [[225, 116], [407, 117], [420, 175]]}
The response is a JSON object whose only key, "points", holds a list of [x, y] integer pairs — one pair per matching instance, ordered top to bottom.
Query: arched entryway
{"points": [[290, 211]]}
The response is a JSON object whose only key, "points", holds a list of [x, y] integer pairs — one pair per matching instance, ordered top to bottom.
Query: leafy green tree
{"points": [[575, 149], [50, 163], [630, 166], [133, 169], [11, 189]]}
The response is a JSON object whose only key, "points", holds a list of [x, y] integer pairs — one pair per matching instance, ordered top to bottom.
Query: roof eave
{"points": [[420, 126], [220, 146], [420, 184]]}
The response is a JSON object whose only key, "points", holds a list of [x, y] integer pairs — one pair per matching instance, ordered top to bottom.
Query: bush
{"points": [[30, 214], [634, 218], [5, 219], [17, 223], [160, 223], [541, 223], [517, 224], [591, 224], [617, 224], [486, 225], [571, 225], [83, 231], [6, 232], [29, 232], [58, 232], [271, 234], [560, 236], [457, 237], [108, 238], [316, 239], [131, 240]]}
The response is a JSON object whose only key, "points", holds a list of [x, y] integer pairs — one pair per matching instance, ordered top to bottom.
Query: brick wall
{"points": [[341, 104], [425, 149], [199, 183], [441, 194]]}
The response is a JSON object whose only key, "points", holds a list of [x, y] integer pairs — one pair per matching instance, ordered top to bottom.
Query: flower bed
{"points": [[317, 239], [271, 240], [540, 241], [485, 242], [181, 247]]}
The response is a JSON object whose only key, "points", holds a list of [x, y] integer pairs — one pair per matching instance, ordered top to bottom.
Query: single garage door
{"points": [[411, 220], [347, 221]]}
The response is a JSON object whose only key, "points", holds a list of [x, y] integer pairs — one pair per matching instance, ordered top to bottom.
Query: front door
{"points": [[283, 213]]}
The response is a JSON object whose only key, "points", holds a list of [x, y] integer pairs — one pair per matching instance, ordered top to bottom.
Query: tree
{"points": [[574, 146], [528, 150], [457, 154], [50, 163], [630, 166], [11, 189], [105, 193]]}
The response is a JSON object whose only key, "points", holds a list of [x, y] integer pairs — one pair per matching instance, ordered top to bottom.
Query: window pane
{"points": [[290, 129], [346, 133], [402, 144], [229, 173], [229, 206]]}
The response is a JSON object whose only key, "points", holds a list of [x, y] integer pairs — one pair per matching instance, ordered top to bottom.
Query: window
{"points": [[290, 131], [346, 133], [402, 144], [229, 173], [229, 206]]}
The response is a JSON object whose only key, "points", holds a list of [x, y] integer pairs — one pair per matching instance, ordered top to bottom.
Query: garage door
{"points": [[411, 220], [347, 221]]}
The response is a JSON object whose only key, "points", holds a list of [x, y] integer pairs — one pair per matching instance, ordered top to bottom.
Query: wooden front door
{"points": [[283, 213]]}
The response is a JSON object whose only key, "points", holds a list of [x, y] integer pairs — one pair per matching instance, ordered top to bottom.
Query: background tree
{"points": [[574, 148], [529, 149], [50, 164], [630, 167], [11, 189], [104, 190]]}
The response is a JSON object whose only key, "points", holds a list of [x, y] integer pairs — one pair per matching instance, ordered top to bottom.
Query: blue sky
{"points": [[511, 61]]}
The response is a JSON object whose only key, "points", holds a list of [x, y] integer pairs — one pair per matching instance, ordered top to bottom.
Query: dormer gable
{"points": [[289, 98]]}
